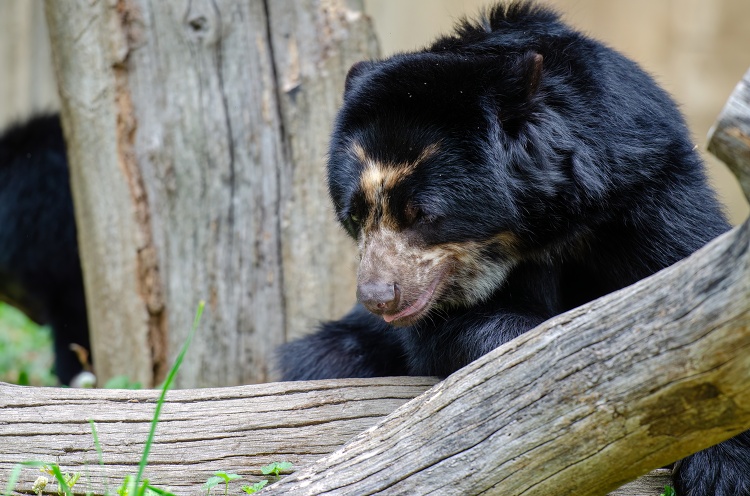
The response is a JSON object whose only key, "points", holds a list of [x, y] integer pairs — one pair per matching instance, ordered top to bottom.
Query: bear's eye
{"points": [[411, 213], [415, 214], [351, 224]]}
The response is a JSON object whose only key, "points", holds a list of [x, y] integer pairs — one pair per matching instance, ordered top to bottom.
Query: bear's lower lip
{"points": [[418, 305]]}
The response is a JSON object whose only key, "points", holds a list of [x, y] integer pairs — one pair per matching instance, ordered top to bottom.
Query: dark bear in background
{"points": [[503, 175], [40, 271]]}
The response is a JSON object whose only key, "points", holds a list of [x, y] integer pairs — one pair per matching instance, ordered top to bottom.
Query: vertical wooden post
{"points": [[315, 42], [191, 177]]}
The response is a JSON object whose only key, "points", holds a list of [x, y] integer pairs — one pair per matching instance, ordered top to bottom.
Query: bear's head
{"points": [[432, 171]]}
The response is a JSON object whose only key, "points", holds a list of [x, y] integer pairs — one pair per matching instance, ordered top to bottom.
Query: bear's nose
{"points": [[378, 297]]}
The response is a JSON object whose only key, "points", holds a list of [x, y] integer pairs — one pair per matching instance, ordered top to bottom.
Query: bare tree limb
{"points": [[729, 139], [201, 431]]}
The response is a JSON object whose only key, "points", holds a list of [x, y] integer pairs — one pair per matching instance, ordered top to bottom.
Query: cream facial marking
{"points": [[378, 179], [428, 277]]}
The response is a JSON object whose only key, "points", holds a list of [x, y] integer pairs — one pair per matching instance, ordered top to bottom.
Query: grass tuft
{"points": [[160, 403], [132, 485]]}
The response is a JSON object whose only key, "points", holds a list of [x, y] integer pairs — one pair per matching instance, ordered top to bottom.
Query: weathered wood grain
{"points": [[87, 45], [310, 87], [196, 134], [729, 138], [234, 429], [201, 431], [651, 484]]}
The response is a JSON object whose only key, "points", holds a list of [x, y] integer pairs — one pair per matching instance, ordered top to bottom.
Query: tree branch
{"points": [[729, 138], [580, 405], [201, 431]]}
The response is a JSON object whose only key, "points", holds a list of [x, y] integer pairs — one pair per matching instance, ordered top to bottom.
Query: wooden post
{"points": [[314, 44], [197, 172]]}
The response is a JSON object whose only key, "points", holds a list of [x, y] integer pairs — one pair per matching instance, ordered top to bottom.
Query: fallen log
{"points": [[580, 405], [236, 429], [201, 431]]}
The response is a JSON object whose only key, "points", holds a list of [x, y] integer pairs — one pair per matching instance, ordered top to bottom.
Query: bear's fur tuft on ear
{"points": [[533, 64], [356, 70]]}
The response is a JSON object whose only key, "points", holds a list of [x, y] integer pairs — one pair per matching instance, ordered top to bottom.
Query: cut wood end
{"points": [[729, 138]]}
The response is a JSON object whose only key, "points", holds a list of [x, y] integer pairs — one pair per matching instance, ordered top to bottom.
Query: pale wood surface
{"points": [[88, 45], [729, 138], [197, 140], [319, 259], [235, 429], [201, 431], [651, 484]]}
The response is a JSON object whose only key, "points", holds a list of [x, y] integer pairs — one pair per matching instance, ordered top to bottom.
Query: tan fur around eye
{"points": [[377, 179]]}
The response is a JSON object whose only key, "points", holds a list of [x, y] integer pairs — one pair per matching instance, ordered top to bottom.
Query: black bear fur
{"points": [[505, 174], [40, 271]]}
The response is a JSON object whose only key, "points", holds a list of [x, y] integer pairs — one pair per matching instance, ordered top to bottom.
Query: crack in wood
{"points": [[148, 276]]}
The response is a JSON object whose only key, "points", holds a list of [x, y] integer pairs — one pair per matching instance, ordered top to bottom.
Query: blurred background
{"points": [[697, 49]]}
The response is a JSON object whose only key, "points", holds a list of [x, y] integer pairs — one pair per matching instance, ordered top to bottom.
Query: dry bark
{"points": [[196, 135], [729, 138], [319, 260], [201, 431]]}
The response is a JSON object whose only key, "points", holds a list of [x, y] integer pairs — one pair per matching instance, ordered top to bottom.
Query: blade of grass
{"points": [[162, 396], [98, 447], [13, 479], [61, 480], [141, 491], [160, 492]]}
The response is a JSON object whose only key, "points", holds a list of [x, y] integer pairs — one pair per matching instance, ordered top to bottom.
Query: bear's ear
{"points": [[530, 69], [356, 70], [522, 81]]}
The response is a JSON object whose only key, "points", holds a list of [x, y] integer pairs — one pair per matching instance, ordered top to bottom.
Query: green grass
{"points": [[26, 355], [132, 485], [138, 485], [668, 491]]}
